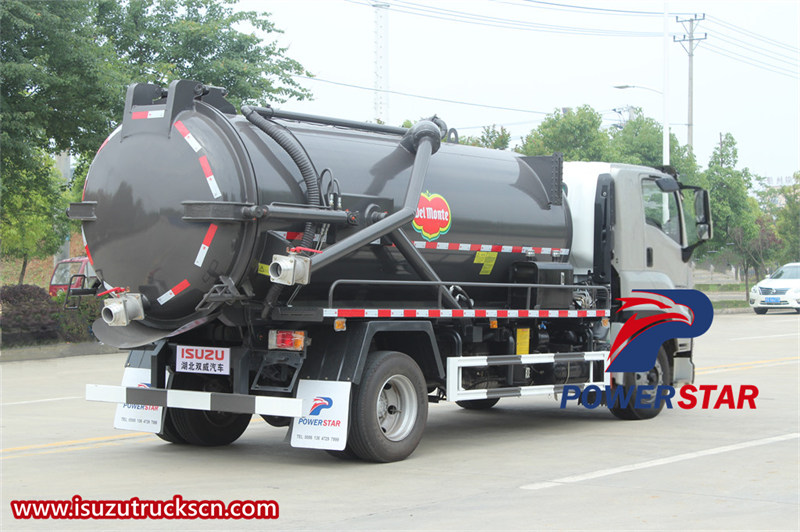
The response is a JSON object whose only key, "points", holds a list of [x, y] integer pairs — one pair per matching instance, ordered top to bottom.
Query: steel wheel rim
{"points": [[396, 408]]}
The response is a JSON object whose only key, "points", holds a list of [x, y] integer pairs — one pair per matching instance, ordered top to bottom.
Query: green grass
{"points": [[716, 287], [730, 303]]}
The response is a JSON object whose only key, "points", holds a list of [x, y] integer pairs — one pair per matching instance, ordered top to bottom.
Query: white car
{"points": [[780, 290]]}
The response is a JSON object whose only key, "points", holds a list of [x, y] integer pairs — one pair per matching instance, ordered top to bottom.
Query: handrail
{"points": [[444, 284]]}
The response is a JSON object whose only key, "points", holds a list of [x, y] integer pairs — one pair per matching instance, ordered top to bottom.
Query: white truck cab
{"points": [[636, 227]]}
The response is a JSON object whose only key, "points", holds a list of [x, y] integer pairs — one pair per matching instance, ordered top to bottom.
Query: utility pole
{"points": [[689, 41], [381, 60]]}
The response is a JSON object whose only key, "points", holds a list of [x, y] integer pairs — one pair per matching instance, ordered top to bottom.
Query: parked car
{"points": [[64, 271], [779, 290]]}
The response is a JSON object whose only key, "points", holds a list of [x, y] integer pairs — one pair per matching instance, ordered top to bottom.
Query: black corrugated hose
{"points": [[300, 158]]}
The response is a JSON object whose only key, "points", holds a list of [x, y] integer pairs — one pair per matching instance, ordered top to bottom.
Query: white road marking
{"points": [[762, 337], [754, 366], [42, 400], [659, 462]]}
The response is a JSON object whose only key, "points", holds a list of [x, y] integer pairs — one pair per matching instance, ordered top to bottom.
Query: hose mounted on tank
{"points": [[293, 148]]}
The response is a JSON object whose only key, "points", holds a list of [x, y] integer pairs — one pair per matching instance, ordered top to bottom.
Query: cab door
{"points": [[663, 233]]}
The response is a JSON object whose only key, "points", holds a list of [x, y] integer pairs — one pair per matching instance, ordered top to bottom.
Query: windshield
{"points": [[64, 271], [787, 272]]}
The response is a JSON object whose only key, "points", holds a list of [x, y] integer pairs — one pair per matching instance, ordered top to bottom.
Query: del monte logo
{"points": [[433, 216]]}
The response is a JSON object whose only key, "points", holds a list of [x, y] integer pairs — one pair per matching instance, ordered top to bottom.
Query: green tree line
{"points": [[64, 69], [754, 226]]}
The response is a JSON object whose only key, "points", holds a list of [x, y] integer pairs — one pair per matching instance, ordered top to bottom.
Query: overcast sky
{"points": [[535, 57]]}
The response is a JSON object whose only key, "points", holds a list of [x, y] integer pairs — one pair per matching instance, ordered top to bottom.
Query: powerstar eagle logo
{"points": [[433, 216], [677, 313], [319, 404]]}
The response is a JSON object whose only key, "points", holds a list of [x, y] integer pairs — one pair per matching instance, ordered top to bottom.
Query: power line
{"points": [[411, 8], [596, 10], [753, 34], [749, 47], [751, 62], [445, 100]]}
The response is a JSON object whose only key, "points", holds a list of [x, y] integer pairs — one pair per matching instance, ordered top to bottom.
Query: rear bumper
{"points": [[207, 401]]}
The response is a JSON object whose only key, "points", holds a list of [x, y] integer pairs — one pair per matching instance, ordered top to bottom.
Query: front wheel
{"points": [[759, 310], [659, 375], [389, 408]]}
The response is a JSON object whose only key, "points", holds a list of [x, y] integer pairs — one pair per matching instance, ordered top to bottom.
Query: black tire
{"points": [[761, 310], [797, 310], [659, 375], [478, 404], [389, 408], [277, 421], [199, 427], [168, 431], [346, 454]]}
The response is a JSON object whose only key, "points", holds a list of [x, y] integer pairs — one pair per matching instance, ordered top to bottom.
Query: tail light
{"points": [[289, 340]]}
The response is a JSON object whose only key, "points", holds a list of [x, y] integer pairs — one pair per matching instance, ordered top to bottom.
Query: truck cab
{"points": [[650, 224]]}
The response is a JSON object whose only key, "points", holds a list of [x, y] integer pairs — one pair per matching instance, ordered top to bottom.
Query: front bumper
{"points": [[789, 300]]}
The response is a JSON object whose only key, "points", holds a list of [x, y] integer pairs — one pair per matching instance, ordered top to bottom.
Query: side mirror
{"points": [[702, 211], [703, 232]]}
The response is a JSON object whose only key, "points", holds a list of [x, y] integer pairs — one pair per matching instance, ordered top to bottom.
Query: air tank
{"points": [[175, 200]]}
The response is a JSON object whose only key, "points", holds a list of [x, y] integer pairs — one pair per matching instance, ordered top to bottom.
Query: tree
{"points": [[163, 40], [61, 85], [575, 133], [490, 137], [640, 142], [782, 207], [733, 212], [32, 223]]}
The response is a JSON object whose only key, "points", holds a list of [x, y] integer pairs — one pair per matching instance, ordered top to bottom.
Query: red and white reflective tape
{"points": [[139, 115], [187, 136], [212, 183], [86, 246], [454, 246], [497, 248], [201, 255], [177, 289], [458, 313]]}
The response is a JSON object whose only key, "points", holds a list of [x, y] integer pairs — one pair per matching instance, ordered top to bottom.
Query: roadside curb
{"points": [[41, 352]]}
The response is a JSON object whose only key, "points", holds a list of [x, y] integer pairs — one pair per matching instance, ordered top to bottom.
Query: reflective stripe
{"points": [[138, 115], [187, 136], [212, 182], [201, 255], [177, 289], [460, 313]]}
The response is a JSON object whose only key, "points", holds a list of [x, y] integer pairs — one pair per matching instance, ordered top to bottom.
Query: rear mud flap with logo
{"points": [[326, 409]]}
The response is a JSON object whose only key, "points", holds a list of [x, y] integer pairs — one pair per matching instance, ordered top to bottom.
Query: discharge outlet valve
{"points": [[290, 270], [121, 310]]}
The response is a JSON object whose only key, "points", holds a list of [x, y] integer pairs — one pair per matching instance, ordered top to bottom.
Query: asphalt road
{"points": [[526, 464]]}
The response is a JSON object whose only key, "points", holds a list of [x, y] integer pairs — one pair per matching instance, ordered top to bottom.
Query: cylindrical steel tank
{"points": [[173, 151]]}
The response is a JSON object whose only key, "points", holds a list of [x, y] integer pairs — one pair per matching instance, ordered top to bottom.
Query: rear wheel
{"points": [[760, 310], [659, 375], [478, 404], [389, 408], [277, 421], [206, 428], [168, 431]]}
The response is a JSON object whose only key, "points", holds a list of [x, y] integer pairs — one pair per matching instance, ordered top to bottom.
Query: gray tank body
{"points": [[145, 171]]}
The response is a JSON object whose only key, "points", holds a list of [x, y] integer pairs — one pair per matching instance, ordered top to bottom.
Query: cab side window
{"points": [[661, 210]]}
